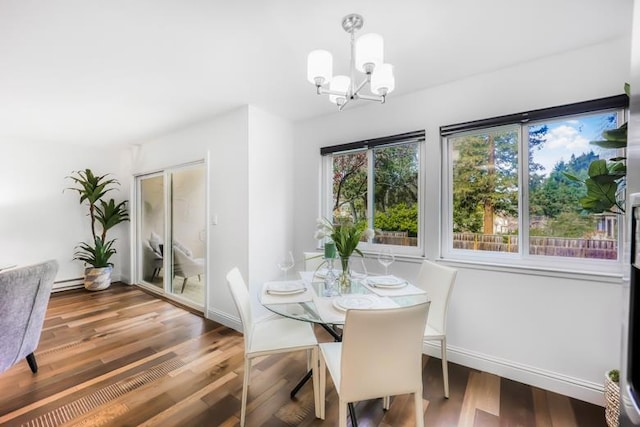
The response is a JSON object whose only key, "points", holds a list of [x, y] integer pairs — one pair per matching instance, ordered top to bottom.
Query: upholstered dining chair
{"points": [[313, 260], [438, 280], [24, 295], [270, 335], [380, 356]]}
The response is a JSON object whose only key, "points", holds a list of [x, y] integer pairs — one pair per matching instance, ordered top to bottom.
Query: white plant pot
{"points": [[97, 279]]}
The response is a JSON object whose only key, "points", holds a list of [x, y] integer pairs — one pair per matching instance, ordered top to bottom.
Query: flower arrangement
{"points": [[345, 233]]}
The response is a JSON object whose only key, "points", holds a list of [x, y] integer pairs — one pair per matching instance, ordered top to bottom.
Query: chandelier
{"points": [[366, 57]]}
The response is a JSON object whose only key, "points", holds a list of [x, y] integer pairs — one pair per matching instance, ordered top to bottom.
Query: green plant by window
{"points": [[607, 178]]}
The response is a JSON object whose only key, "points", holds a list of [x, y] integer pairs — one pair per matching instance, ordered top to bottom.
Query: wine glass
{"points": [[386, 258], [286, 263]]}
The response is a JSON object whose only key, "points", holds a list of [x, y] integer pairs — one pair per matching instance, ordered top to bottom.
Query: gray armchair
{"points": [[185, 266], [24, 295]]}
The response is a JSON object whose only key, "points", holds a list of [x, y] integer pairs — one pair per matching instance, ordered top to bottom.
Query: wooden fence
{"points": [[400, 238], [539, 245]]}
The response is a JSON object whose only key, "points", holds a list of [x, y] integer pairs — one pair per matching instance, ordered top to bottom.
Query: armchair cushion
{"points": [[24, 295]]}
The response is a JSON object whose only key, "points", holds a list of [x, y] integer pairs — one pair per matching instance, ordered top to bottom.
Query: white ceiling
{"points": [[118, 71]]}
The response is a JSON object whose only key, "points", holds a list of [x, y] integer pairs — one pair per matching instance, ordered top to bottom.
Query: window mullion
{"points": [[523, 183], [370, 187]]}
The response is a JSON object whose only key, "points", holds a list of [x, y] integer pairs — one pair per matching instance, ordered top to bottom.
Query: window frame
{"points": [[326, 202], [523, 258]]}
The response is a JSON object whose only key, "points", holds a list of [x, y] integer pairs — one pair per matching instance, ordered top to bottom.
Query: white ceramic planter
{"points": [[97, 279]]}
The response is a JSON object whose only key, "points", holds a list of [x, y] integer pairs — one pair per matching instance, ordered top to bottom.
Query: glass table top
{"points": [[324, 310]]}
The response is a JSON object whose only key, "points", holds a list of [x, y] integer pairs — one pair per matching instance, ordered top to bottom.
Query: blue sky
{"points": [[566, 137]]}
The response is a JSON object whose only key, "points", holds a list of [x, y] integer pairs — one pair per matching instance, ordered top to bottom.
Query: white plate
{"points": [[387, 282], [285, 288], [348, 302]]}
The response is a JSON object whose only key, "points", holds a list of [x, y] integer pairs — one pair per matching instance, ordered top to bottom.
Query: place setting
{"points": [[283, 292]]}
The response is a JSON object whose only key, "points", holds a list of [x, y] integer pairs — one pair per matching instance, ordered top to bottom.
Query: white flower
{"points": [[369, 233], [319, 234]]}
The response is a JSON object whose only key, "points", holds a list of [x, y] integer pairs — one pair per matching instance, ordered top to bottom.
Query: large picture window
{"points": [[377, 182], [509, 193]]}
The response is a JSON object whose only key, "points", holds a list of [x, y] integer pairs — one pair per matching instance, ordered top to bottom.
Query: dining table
{"points": [[307, 299]]}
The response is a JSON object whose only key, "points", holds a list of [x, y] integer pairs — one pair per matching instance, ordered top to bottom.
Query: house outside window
{"points": [[377, 182], [507, 196]]}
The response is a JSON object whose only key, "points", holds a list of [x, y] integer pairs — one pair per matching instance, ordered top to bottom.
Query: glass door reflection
{"points": [[151, 226], [188, 232]]}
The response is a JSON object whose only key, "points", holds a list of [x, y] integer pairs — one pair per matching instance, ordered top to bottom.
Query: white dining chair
{"points": [[313, 260], [438, 280], [270, 335], [380, 355]]}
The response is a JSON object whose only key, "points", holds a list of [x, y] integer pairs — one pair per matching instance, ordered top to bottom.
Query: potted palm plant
{"points": [[104, 215]]}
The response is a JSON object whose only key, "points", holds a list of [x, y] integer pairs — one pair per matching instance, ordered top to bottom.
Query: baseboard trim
{"points": [[68, 284], [225, 319], [577, 388]]}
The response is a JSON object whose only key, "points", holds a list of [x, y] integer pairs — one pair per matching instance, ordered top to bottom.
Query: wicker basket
{"points": [[612, 401]]}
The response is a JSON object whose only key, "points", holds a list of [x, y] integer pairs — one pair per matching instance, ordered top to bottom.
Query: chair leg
{"points": [[199, 278], [184, 283], [31, 360], [445, 369], [316, 382], [322, 386], [245, 389], [386, 402], [419, 408], [342, 413]]}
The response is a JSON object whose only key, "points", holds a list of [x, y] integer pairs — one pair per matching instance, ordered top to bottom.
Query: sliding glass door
{"points": [[151, 229], [187, 232], [172, 233]]}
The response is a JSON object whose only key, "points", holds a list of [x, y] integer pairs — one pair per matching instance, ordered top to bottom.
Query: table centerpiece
{"points": [[345, 233]]}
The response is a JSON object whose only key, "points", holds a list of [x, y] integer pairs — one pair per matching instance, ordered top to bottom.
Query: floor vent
{"points": [[86, 404]]}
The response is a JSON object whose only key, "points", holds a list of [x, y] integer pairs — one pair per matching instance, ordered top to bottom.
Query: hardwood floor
{"points": [[122, 357]]}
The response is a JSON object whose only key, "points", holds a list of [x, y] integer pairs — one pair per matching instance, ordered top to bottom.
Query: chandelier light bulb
{"points": [[369, 52], [319, 67], [382, 80], [339, 84]]}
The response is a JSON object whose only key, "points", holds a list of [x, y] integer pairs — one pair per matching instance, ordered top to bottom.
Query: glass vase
{"points": [[345, 277]]}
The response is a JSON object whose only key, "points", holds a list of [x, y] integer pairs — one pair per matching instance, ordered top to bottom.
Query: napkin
{"points": [[409, 289], [267, 298]]}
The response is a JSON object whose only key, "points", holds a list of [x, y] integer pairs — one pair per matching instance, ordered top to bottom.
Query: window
{"points": [[377, 182], [508, 195]]}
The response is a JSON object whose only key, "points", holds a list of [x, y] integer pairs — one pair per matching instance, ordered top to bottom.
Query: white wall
{"points": [[222, 142], [249, 193], [270, 195], [37, 220], [553, 332]]}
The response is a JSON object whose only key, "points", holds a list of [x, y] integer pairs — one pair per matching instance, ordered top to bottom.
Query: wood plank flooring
{"points": [[123, 357]]}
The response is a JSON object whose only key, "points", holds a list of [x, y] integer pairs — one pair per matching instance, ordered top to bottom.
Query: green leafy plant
{"points": [[607, 178], [104, 215], [344, 233]]}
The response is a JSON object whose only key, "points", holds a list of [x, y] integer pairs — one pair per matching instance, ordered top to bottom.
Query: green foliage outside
{"points": [[396, 170], [607, 178], [485, 185], [400, 217]]}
